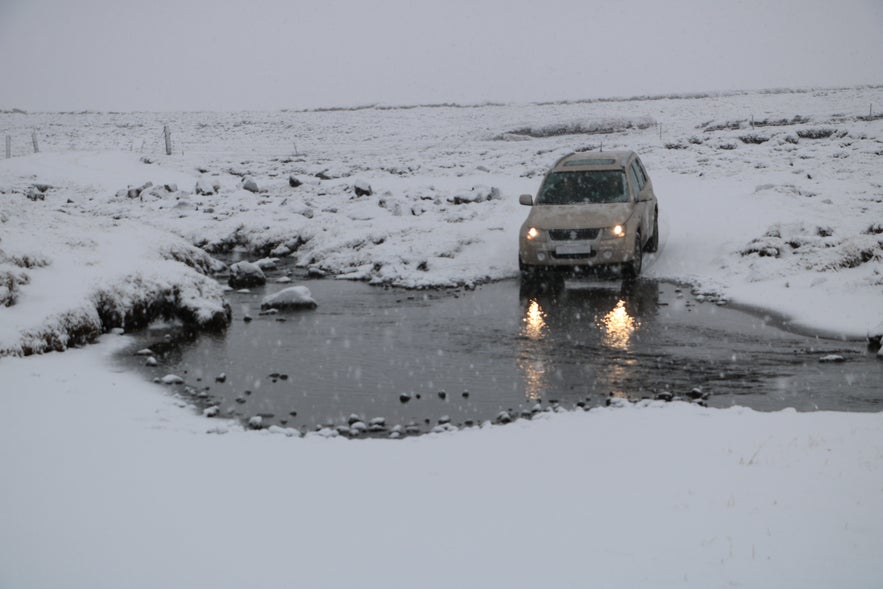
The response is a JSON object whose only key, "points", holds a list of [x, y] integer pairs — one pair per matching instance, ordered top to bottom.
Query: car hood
{"points": [[575, 216]]}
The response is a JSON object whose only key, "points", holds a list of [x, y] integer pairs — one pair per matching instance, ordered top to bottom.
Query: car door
{"points": [[639, 186]]}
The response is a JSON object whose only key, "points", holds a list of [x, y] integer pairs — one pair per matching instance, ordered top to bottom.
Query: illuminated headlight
{"points": [[613, 232], [533, 233]]}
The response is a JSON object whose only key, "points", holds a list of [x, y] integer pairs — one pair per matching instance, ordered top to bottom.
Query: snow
{"points": [[293, 297], [109, 480], [119, 486]]}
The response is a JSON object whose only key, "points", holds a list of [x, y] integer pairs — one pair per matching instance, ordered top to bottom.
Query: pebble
{"points": [[144, 352], [151, 361], [221, 377], [172, 379], [442, 395], [404, 397], [211, 411], [444, 419], [256, 422]]}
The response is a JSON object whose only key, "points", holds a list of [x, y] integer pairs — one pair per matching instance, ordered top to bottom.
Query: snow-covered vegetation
{"points": [[773, 200]]}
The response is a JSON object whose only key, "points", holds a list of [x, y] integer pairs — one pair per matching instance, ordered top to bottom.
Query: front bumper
{"points": [[544, 251]]}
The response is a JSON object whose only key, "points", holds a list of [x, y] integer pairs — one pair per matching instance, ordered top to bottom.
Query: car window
{"points": [[642, 174], [634, 176], [582, 187]]}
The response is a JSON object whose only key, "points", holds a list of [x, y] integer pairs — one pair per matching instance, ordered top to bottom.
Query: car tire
{"points": [[653, 243], [633, 269]]}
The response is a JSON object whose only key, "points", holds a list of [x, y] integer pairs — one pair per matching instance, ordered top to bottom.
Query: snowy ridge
{"points": [[78, 278]]}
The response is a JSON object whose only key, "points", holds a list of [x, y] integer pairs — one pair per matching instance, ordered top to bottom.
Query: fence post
{"points": [[168, 135], [34, 139], [8, 147]]}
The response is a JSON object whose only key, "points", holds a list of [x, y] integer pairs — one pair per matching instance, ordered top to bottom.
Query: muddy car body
{"points": [[593, 210]]}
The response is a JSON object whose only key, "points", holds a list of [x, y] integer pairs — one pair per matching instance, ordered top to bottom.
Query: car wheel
{"points": [[653, 243], [633, 269]]}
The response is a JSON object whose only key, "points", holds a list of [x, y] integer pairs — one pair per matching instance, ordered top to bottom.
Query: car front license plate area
{"points": [[573, 249]]}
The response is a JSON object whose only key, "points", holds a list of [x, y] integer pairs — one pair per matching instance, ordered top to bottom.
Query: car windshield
{"points": [[583, 187]]}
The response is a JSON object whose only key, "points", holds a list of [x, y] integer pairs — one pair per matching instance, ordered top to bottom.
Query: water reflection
{"points": [[534, 321], [618, 326], [584, 332]]}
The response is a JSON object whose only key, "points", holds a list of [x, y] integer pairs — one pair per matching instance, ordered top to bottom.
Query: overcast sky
{"points": [[270, 54]]}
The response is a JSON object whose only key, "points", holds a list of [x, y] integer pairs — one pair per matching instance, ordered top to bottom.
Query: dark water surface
{"points": [[468, 355]]}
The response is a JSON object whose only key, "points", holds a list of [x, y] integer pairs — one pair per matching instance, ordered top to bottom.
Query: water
{"points": [[468, 355]]}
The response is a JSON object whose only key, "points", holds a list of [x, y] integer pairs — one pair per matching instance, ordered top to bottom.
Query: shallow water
{"points": [[468, 355]]}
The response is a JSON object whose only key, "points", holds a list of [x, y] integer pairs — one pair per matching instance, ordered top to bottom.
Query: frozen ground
{"points": [[772, 200]]}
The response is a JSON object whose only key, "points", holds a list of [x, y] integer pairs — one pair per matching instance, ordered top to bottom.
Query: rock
{"points": [[293, 181], [250, 184], [171, 187], [205, 187], [362, 188], [34, 194], [477, 194], [280, 251], [267, 263], [246, 274], [283, 280], [293, 297], [144, 352], [832, 358], [151, 361], [221, 377], [171, 379], [696, 393], [465, 394], [442, 395], [665, 396], [405, 397], [211, 411], [503, 417], [353, 418], [444, 419], [377, 421], [256, 422], [358, 427], [442, 428]]}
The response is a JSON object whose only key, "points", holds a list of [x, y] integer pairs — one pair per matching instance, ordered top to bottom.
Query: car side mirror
{"points": [[526, 200]]}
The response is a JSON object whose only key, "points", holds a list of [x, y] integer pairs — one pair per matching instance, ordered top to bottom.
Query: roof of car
{"points": [[602, 160]]}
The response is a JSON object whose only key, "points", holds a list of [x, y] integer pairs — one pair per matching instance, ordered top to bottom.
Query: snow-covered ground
{"points": [[771, 200]]}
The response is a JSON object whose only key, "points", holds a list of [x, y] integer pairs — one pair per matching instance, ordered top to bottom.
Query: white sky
{"points": [[269, 54]]}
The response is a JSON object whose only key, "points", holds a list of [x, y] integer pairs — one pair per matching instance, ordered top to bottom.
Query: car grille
{"points": [[572, 234]]}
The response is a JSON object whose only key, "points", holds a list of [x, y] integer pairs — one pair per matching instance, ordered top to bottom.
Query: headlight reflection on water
{"points": [[534, 321], [618, 327], [533, 328]]}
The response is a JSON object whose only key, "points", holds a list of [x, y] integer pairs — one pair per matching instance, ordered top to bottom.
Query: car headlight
{"points": [[613, 232], [533, 233]]}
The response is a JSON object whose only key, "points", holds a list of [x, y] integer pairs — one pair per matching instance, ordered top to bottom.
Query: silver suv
{"points": [[593, 210]]}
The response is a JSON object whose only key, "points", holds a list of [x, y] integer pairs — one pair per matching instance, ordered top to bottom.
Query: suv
{"points": [[593, 210]]}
